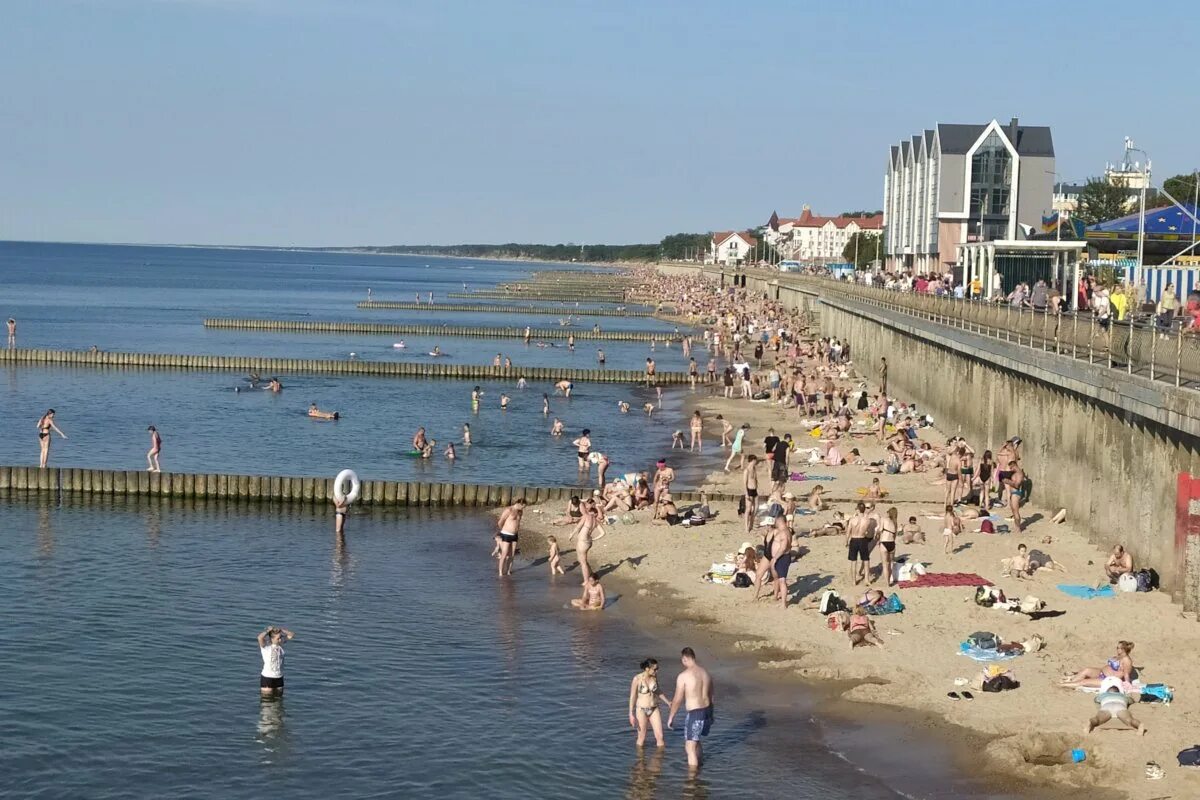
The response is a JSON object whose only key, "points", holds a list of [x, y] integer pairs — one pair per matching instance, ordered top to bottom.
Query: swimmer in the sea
{"points": [[274, 386], [503, 402], [317, 413], [557, 428], [466, 435], [418, 440], [450, 456]]}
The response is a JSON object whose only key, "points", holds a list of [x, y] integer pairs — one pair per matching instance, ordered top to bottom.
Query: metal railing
{"points": [[1169, 354]]}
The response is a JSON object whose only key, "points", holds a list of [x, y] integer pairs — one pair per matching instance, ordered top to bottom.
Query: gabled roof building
{"points": [[954, 184]]}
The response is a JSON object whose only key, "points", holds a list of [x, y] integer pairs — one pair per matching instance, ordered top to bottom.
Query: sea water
{"points": [[128, 666]]}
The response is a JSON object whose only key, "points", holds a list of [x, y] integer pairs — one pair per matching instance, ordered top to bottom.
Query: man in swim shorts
{"points": [[510, 524], [858, 543], [695, 692]]}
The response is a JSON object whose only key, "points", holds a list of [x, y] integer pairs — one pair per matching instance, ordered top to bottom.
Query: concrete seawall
{"points": [[506, 308], [312, 326], [284, 366], [1107, 447], [283, 488]]}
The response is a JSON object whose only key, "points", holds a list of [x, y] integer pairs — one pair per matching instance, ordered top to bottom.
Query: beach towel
{"points": [[801, 476], [946, 579], [1086, 592], [979, 654]]}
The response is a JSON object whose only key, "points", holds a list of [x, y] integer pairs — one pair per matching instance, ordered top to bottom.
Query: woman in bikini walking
{"points": [[44, 426], [644, 697]]}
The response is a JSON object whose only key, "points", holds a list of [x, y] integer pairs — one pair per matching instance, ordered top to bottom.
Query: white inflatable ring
{"points": [[346, 475]]}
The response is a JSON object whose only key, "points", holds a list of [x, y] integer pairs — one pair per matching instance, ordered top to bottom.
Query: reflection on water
{"points": [[45, 530], [643, 774]]}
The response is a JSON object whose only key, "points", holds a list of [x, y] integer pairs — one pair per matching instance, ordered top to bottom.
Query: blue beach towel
{"points": [[1086, 592], [979, 654]]}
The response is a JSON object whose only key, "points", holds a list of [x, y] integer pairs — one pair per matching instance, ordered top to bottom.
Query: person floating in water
{"points": [[436, 351], [274, 386], [317, 413], [44, 426], [155, 449], [270, 644]]}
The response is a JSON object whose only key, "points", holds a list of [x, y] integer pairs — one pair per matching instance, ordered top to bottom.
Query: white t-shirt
{"points": [[272, 656]]}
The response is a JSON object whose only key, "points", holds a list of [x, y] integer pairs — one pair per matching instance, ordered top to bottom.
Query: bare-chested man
{"points": [[953, 462], [750, 489], [1016, 492], [510, 525], [858, 543], [779, 550], [694, 690]]}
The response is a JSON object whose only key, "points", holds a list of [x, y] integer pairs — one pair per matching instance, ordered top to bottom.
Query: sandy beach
{"points": [[1026, 734]]}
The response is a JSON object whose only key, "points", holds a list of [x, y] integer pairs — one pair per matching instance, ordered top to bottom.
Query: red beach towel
{"points": [[946, 579]]}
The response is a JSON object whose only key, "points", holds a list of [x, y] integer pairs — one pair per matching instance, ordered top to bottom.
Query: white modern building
{"points": [[955, 184], [810, 237], [730, 248]]}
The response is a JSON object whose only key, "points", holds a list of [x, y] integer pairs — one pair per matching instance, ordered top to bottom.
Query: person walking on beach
{"points": [[883, 375], [44, 426], [697, 429], [155, 449], [750, 489], [1016, 493], [510, 526], [858, 543], [270, 645], [695, 692], [644, 697]]}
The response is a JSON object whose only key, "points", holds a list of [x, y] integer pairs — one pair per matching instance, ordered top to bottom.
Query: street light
{"points": [[1141, 248]]}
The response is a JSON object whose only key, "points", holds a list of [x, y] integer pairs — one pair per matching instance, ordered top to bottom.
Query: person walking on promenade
{"points": [[44, 426], [155, 449], [270, 645], [695, 692]]}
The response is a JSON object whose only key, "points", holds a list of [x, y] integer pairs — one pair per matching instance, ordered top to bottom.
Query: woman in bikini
{"points": [[44, 426], [697, 441], [583, 448], [966, 470], [573, 515], [583, 536], [887, 540], [1119, 666], [644, 697]]}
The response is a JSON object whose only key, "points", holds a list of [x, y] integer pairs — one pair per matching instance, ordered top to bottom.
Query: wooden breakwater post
{"points": [[496, 308], [383, 328], [314, 366], [281, 488]]}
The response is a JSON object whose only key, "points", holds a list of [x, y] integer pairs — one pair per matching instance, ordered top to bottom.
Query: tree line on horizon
{"points": [[673, 247]]}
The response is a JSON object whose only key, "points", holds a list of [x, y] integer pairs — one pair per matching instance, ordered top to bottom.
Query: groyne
{"points": [[580, 296], [482, 308], [313, 326], [283, 366], [284, 488]]}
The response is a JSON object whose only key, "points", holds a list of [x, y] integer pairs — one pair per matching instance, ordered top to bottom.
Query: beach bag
{"points": [[741, 580], [1145, 581], [1128, 582], [988, 596], [830, 602], [893, 604], [984, 640], [1034, 643], [1000, 683], [1157, 693], [1190, 757]]}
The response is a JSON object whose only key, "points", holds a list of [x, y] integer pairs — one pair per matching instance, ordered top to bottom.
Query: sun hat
{"points": [[745, 546]]}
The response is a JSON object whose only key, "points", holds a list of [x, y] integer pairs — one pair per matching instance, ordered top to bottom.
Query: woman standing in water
{"points": [[44, 426], [155, 449], [583, 536], [270, 644], [644, 697]]}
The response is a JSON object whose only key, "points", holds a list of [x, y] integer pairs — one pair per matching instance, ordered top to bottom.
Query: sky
{"points": [[372, 122]]}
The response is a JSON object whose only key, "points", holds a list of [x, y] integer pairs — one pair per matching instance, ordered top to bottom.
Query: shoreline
{"points": [[862, 683]]}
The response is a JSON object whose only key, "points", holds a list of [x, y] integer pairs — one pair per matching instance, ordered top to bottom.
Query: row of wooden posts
{"points": [[507, 308], [304, 326], [281, 366], [283, 488]]}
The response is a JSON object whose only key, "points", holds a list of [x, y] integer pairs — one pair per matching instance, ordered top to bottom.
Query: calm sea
{"points": [[128, 666]]}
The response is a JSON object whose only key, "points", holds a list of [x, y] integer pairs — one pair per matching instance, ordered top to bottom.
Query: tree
{"points": [[1181, 187], [1100, 201], [861, 213], [679, 246], [869, 248]]}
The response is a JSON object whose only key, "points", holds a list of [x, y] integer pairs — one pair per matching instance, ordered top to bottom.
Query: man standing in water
{"points": [[12, 332], [510, 524], [693, 690]]}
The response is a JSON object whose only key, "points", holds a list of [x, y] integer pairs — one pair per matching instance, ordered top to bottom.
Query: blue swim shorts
{"points": [[698, 723]]}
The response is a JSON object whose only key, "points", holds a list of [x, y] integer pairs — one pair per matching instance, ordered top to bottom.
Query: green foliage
{"points": [[1181, 187], [1100, 201], [860, 213], [678, 246], [870, 248], [540, 252]]}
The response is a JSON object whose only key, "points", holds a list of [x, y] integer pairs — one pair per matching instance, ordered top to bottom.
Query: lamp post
{"points": [[1141, 245]]}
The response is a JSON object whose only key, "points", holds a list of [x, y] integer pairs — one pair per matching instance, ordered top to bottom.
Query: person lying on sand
{"points": [[835, 527], [862, 628], [1119, 666], [1113, 703]]}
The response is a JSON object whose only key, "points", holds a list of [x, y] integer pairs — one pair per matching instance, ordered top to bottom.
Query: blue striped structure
{"points": [[1185, 279]]}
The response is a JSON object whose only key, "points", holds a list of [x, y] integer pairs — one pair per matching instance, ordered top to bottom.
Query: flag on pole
{"points": [[1050, 223]]}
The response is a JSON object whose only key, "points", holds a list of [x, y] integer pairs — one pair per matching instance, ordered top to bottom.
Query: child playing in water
{"points": [[677, 440], [555, 559]]}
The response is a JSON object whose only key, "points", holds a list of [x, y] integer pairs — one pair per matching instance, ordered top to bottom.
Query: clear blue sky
{"points": [[328, 122]]}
